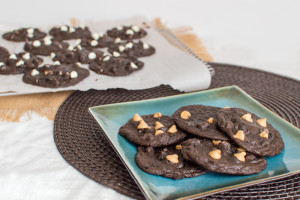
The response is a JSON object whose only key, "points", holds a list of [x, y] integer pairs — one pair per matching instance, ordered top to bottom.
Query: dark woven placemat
{"points": [[82, 143]]}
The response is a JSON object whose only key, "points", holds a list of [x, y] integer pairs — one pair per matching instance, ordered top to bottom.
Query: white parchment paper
{"points": [[169, 65]]}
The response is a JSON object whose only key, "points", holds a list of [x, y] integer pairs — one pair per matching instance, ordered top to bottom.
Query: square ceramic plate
{"points": [[112, 117]]}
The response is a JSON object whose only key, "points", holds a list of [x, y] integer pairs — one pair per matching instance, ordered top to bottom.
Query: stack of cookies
{"points": [[123, 48], [199, 139]]}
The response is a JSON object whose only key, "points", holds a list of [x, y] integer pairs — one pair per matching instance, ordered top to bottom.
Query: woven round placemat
{"points": [[83, 145]]}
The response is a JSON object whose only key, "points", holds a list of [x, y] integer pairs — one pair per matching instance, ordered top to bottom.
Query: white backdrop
{"points": [[260, 34]]}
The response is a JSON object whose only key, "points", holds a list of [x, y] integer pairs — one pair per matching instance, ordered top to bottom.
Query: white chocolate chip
{"points": [[64, 28], [119, 28], [135, 28], [71, 29], [30, 31], [129, 32], [30, 35], [95, 36], [117, 40], [47, 41], [78, 41], [36, 43], [94, 43], [129, 45], [145, 45], [79, 47], [70, 48], [121, 48], [116, 54], [52, 55], [92, 55], [26, 56], [13, 57], [106, 58], [20, 62], [56, 63], [1, 64], [78, 64], [133, 65], [34, 72], [73, 74], [185, 114], [157, 115], [247, 117], [137, 118], [211, 120], [262, 122], [143, 125], [158, 125], [173, 129], [157, 132], [240, 135], [216, 142], [216, 154], [240, 156], [172, 158]]}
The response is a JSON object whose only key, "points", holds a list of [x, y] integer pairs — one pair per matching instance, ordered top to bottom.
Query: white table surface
{"points": [[258, 34]]}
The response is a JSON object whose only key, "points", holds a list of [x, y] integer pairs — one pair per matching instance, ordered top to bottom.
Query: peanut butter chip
{"points": [[226, 107], [185, 114], [157, 115], [247, 117], [137, 118], [211, 120], [262, 122], [143, 125], [158, 125], [173, 129], [159, 132], [264, 134], [240, 135], [216, 142], [178, 146], [241, 149], [216, 154], [240, 156], [172, 158]]}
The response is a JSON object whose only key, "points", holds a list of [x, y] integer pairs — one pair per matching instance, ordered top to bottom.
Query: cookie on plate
{"points": [[69, 32], [127, 32], [24, 34], [97, 40], [45, 47], [130, 48], [4, 54], [19, 63], [116, 66], [55, 76], [199, 120], [152, 130], [251, 132], [222, 157], [167, 162]]}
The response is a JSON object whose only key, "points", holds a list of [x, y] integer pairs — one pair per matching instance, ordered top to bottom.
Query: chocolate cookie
{"points": [[69, 32], [127, 32], [24, 34], [97, 40], [45, 47], [136, 49], [4, 54], [19, 63], [116, 66], [55, 76], [199, 120], [152, 130], [251, 132], [222, 157], [167, 162]]}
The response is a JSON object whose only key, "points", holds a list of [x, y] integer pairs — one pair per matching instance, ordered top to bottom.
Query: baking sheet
{"points": [[168, 65]]}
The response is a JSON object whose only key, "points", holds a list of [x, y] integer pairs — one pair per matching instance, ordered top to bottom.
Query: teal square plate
{"points": [[111, 117]]}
